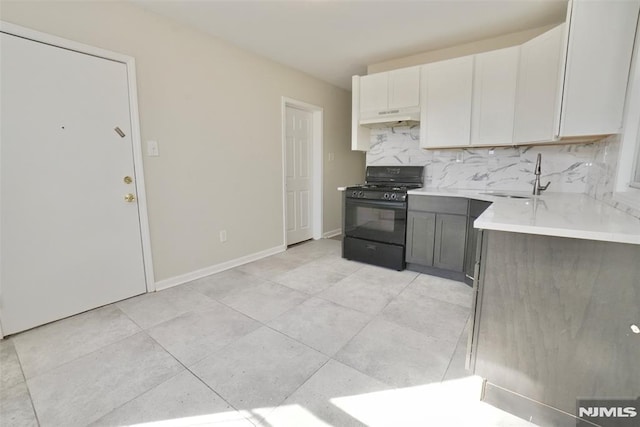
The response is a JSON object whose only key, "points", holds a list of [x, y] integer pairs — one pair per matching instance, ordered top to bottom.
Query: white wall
{"points": [[216, 112]]}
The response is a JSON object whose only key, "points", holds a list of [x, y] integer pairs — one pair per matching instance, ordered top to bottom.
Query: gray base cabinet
{"points": [[437, 232], [451, 235], [421, 237], [553, 319]]}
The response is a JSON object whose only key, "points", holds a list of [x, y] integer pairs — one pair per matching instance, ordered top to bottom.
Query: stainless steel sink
{"points": [[508, 195]]}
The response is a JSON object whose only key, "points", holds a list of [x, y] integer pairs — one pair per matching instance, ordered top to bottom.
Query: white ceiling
{"points": [[333, 40]]}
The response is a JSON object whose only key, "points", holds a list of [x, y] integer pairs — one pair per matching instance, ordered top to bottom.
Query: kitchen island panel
{"points": [[554, 315]]}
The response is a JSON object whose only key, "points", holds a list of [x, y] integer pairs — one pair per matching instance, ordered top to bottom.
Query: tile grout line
{"points": [[267, 280], [113, 304], [382, 309], [378, 316], [374, 317], [370, 318], [140, 330], [222, 348], [455, 348], [329, 358], [74, 359], [186, 368], [26, 384], [300, 386], [137, 396], [240, 411]]}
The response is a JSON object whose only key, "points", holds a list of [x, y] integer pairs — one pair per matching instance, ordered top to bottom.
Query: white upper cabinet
{"points": [[601, 35], [539, 79], [568, 84], [404, 88], [391, 90], [374, 92], [494, 95], [380, 98], [445, 116], [360, 135]]}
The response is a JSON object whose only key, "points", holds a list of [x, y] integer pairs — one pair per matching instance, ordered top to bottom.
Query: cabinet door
{"points": [[601, 37], [539, 77], [404, 88], [374, 92], [494, 96], [445, 119], [360, 135], [420, 237], [450, 237]]}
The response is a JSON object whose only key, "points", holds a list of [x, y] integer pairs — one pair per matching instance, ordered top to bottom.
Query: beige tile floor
{"points": [[302, 338]]}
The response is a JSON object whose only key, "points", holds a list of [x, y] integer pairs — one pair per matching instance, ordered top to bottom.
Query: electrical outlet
{"points": [[331, 157], [223, 236]]}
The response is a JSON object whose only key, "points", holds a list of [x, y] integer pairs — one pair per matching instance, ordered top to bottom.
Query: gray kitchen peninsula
{"points": [[556, 303]]}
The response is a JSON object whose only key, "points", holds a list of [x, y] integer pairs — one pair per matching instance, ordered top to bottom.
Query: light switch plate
{"points": [[152, 148]]}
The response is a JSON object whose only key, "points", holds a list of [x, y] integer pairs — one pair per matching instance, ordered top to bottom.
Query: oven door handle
{"points": [[378, 203]]}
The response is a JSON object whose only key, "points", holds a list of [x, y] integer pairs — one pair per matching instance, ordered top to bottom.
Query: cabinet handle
{"points": [[388, 112]]}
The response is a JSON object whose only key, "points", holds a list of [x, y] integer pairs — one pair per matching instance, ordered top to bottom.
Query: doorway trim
{"points": [[129, 62], [316, 164]]}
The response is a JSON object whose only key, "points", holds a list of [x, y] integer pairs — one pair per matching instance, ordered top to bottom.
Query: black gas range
{"points": [[375, 215]]}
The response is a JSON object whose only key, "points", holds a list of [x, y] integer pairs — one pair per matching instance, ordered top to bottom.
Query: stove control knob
{"points": [[354, 194], [361, 194], [385, 196], [394, 196]]}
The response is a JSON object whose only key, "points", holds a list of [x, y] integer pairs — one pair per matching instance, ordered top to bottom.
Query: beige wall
{"points": [[460, 50], [216, 112]]}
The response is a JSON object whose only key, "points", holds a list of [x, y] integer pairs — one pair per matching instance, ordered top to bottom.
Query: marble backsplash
{"points": [[567, 167], [601, 177]]}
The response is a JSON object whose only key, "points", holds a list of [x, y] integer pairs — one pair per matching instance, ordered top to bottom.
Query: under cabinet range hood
{"points": [[392, 117]]}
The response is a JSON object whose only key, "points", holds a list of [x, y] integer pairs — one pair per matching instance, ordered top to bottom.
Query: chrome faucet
{"points": [[537, 188]]}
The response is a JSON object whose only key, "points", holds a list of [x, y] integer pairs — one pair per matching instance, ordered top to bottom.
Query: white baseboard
{"points": [[332, 233], [188, 277]]}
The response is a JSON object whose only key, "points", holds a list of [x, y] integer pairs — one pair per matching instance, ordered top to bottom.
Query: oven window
{"points": [[375, 219], [379, 221]]}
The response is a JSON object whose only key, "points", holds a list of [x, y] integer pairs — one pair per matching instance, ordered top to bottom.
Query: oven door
{"points": [[378, 220]]}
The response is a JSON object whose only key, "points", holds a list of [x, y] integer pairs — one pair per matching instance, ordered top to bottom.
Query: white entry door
{"points": [[298, 136], [70, 230]]}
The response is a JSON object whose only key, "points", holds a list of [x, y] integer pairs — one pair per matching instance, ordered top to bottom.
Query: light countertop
{"points": [[571, 215]]}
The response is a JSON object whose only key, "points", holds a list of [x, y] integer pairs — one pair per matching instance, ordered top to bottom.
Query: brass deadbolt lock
{"points": [[127, 180]]}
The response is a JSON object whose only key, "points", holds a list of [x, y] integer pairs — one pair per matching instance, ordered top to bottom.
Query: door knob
{"points": [[129, 197]]}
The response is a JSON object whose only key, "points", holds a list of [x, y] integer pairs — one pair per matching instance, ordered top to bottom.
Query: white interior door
{"points": [[298, 137], [69, 239]]}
